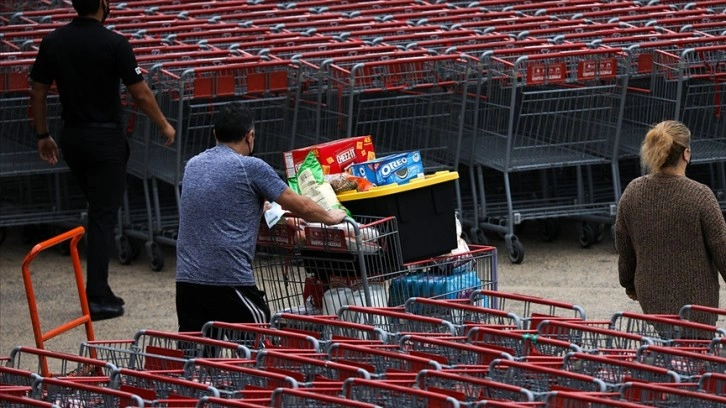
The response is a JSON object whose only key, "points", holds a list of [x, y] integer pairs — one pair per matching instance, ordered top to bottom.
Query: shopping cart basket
{"points": [[307, 268], [470, 389]]}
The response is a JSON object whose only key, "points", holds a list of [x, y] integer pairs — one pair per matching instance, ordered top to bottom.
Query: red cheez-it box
{"points": [[334, 156]]}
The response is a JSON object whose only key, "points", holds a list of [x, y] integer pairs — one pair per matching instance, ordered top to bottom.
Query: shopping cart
{"points": [[529, 101], [33, 191], [307, 268], [530, 309], [461, 313], [698, 313], [396, 322], [330, 328], [666, 329], [260, 336], [594, 337], [523, 345], [158, 351], [454, 352], [382, 363], [686, 363], [56, 364], [307, 370], [616, 372], [234, 380], [541, 380], [16, 381], [714, 383], [161, 389], [470, 389], [69, 393], [391, 394], [663, 396], [283, 397], [567, 399], [17, 401], [213, 402]]}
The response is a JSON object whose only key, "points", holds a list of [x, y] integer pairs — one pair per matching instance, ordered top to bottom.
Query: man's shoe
{"points": [[112, 298], [117, 300], [103, 311]]}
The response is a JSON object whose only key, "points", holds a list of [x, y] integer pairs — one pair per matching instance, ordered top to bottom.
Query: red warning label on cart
{"points": [[600, 69], [550, 73], [325, 238]]}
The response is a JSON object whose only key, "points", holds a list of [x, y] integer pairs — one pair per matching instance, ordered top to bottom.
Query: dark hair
{"points": [[86, 7], [233, 122]]}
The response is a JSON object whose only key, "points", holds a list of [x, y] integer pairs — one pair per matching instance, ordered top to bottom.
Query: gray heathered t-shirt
{"points": [[219, 216]]}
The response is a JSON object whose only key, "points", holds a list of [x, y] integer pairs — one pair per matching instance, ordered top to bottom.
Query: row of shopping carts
{"points": [[541, 104], [492, 349]]}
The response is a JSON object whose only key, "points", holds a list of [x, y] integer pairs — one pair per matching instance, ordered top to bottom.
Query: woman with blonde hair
{"points": [[670, 232]]}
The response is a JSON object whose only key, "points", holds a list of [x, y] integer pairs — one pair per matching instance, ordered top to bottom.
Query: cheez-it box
{"points": [[334, 156]]}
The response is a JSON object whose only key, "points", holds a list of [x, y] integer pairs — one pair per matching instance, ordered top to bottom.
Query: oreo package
{"points": [[393, 169]]}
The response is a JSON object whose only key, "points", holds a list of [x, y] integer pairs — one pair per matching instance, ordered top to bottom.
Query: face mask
{"points": [[106, 10], [252, 153]]}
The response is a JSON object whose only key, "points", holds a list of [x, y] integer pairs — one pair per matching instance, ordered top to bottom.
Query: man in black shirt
{"points": [[87, 63]]}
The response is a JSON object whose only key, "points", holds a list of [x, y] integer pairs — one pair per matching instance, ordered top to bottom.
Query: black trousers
{"points": [[97, 158], [199, 304]]}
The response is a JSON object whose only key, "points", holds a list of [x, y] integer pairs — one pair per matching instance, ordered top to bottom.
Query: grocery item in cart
{"points": [[334, 156], [397, 168], [310, 182], [431, 284]]}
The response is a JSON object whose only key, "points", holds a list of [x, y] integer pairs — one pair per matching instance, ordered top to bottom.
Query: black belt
{"points": [[83, 125]]}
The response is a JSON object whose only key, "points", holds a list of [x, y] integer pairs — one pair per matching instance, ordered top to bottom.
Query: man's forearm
{"points": [[148, 104], [39, 109]]}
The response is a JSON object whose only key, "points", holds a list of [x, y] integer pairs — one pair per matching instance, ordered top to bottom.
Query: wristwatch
{"points": [[44, 135]]}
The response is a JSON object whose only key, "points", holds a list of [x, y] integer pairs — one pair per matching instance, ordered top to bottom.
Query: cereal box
{"points": [[334, 156], [396, 168]]}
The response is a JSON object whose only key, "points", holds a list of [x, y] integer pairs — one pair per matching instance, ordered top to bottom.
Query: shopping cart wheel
{"points": [[549, 230], [600, 232], [588, 235], [481, 238], [515, 249], [127, 252], [156, 256]]}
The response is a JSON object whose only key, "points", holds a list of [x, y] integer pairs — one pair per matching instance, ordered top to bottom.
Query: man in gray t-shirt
{"points": [[223, 193]]}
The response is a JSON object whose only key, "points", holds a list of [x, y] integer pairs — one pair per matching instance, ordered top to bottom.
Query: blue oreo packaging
{"points": [[393, 169]]}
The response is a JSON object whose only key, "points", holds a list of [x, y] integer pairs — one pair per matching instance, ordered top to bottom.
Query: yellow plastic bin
{"points": [[424, 208]]}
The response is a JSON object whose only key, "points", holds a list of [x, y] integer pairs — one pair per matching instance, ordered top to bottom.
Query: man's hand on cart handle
{"points": [[336, 216]]}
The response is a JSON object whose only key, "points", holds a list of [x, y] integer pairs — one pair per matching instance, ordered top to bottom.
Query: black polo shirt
{"points": [[88, 62]]}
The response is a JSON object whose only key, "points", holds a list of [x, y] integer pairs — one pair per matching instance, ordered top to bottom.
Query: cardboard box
{"points": [[334, 156], [393, 169], [424, 209]]}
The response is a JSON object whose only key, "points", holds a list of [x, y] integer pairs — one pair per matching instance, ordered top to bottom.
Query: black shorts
{"points": [[199, 304]]}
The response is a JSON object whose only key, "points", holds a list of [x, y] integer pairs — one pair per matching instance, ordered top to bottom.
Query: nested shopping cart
{"points": [[686, 83], [190, 94], [559, 110], [33, 191], [667, 329], [688, 364], [616, 372], [540, 380], [236, 381], [469, 389], [663, 396]]}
